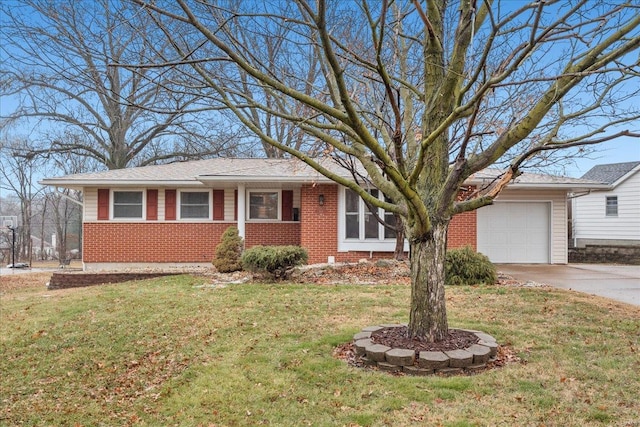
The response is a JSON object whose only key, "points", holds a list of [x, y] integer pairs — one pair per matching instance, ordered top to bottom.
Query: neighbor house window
{"points": [[127, 204], [194, 205], [264, 205], [612, 206], [361, 223]]}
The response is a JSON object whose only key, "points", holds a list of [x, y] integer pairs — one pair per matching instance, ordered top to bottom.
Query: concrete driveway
{"points": [[618, 282]]}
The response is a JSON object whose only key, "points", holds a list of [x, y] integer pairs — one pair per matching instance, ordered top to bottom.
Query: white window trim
{"points": [[131, 190], [263, 190], [179, 205], [361, 244]]}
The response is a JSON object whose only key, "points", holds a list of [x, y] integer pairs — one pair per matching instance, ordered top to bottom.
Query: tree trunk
{"points": [[398, 252], [428, 316]]}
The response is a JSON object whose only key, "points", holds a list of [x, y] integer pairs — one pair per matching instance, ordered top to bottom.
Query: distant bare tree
{"points": [[60, 62], [19, 177], [66, 205]]}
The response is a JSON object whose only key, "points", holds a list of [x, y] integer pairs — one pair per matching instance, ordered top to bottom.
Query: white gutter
{"points": [[274, 179], [118, 183], [69, 198]]}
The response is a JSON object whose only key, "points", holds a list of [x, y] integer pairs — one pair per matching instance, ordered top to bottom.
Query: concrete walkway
{"points": [[15, 271], [618, 282]]}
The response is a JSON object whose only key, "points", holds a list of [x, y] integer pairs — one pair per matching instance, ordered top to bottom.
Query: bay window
{"points": [[360, 224]]}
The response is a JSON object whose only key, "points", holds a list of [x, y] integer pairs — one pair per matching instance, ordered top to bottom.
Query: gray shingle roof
{"points": [[229, 170], [184, 173], [609, 173], [529, 178]]}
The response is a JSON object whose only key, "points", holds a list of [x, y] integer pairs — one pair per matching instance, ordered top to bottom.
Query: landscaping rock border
{"points": [[469, 360]]}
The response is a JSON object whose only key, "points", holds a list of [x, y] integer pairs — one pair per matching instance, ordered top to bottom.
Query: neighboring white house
{"points": [[610, 217]]}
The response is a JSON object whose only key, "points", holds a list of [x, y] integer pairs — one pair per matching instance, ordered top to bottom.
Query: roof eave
{"points": [[252, 179], [117, 183], [558, 186], [573, 186]]}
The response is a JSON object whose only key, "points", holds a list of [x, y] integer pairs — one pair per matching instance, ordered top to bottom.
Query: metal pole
{"points": [[13, 246]]}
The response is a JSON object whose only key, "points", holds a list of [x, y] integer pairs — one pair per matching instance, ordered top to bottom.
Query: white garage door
{"points": [[515, 232]]}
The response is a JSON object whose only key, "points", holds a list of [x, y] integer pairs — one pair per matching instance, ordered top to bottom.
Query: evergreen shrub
{"points": [[229, 251], [273, 260], [465, 266]]}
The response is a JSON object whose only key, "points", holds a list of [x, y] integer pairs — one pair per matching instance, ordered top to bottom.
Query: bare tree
{"points": [[60, 63], [422, 95], [19, 177], [66, 205]]}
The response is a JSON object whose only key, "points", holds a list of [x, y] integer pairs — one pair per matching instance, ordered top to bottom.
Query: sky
{"points": [[621, 150], [618, 151]]}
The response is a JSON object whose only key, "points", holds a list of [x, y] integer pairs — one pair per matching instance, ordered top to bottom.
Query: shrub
{"points": [[229, 252], [273, 260], [467, 267]]}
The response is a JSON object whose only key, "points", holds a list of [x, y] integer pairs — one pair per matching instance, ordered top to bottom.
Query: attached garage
{"points": [[515, 232]]}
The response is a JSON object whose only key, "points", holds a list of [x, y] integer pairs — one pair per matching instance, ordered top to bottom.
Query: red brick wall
{"points": [[319, 224], [463, 230], [284, 233], [151, 242], [173, 242]]}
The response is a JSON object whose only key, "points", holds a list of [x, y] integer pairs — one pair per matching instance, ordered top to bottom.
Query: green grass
{"points": [[167, 352]]}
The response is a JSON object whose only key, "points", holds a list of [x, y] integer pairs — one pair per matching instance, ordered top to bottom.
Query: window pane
{"points": [[127, 197], [196, 198], [352, 200], [127, 204], [194, 204], [263, 205], [612, 206], [127, 211], [194, 212], [390, 219], [370, 226], [353, 228]]}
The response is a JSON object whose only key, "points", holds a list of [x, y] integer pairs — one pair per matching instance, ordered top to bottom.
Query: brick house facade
{"points": [[175, 214], [160, 240]]}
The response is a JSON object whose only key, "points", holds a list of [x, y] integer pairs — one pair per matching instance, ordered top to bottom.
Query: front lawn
{"points": [[174, 351]]}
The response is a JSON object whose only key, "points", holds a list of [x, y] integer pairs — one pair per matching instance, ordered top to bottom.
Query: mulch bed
{"points": [[397, 337]]}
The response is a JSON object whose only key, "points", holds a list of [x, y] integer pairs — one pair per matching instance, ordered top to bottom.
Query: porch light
{"points": [[321, 199]]}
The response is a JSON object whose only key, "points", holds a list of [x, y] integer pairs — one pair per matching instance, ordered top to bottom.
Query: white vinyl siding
{"points": [[90, 201], [229, 204], [590, 221]]}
